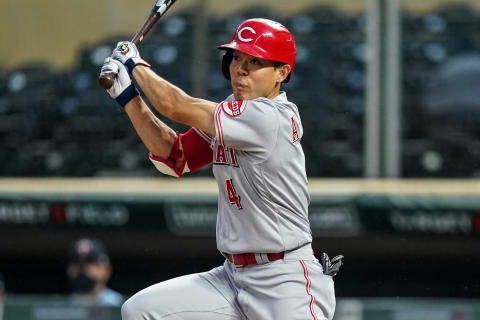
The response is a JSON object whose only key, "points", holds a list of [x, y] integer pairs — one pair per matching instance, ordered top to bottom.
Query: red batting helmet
{"points": [[261, 38]]}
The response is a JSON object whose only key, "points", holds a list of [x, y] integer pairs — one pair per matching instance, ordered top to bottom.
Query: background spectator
{"points": [[88, 271]]}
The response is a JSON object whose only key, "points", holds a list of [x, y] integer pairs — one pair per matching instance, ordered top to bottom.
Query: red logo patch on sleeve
{"points": [[234, 108]]}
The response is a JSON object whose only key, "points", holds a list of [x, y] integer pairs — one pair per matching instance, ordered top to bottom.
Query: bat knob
{"points": [[106, 80]]}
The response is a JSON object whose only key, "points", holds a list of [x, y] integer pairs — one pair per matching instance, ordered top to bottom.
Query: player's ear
{"points": [[282, 72]]}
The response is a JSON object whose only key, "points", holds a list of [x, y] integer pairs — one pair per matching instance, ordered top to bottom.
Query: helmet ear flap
{"points": [[226, 60]]}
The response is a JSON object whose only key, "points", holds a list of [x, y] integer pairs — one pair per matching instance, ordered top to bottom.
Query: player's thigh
{"points": [[294, 290], [321, 290], [190, 297]]}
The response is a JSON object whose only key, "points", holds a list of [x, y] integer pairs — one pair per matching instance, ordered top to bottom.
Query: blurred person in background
{"points": [[88, 271]]}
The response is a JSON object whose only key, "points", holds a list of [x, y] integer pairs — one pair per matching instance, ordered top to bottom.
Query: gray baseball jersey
{"points": [[260, 169], [262, 207]]}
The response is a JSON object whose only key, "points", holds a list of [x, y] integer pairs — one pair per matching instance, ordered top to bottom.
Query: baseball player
{"points": [[253, 140]]}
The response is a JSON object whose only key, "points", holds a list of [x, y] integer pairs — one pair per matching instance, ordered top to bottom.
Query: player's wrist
{"points": [[131, 63], [127, 95]]}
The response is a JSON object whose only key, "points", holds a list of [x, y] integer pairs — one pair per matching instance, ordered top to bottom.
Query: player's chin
{"points": [[241, 94], [238, 95]]}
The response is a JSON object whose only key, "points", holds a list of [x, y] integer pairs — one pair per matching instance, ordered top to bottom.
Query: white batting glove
{"points": [[127, 53], [123, 90]]}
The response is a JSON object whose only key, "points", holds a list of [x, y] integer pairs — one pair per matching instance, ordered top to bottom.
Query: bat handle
{"points": [[106, 80]]}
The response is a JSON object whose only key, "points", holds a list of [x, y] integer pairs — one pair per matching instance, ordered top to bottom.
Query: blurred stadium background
{"points": [[391, 112]]}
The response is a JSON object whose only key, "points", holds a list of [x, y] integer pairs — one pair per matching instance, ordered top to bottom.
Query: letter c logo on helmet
{"points": [[241, 38]]}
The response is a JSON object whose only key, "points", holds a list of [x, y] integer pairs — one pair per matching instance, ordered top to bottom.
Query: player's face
{"points": [[253, 77]]}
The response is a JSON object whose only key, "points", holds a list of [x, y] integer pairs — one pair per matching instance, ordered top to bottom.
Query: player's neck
{"points": [[275, 92]]}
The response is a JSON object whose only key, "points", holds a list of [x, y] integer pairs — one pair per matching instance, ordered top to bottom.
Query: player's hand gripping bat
{"points": [[161, 6]]}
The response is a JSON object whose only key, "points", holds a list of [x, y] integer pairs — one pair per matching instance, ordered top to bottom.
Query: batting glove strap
{"points": [[133, 62], [127, 95]]}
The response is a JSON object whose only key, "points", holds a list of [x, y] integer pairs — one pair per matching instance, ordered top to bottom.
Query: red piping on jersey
{"points": [[219, 125], [309, 282]]}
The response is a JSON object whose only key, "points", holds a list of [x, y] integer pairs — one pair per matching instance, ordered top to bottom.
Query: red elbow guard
{"points": [[196, 149], [176, 153], [169, 166]]}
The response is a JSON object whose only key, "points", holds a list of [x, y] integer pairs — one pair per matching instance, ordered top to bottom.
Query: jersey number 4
{"points": [[233, 197]]}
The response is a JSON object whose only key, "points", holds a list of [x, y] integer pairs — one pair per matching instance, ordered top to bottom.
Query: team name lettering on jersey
{"points": [[294, 130], [220, 155], [225, 156], [233, 157]]}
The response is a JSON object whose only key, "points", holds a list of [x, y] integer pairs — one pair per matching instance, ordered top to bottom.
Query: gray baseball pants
{"points": [[293, 288]]}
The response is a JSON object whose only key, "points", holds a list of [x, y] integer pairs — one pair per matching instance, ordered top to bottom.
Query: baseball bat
{"points": [[161, 6]]}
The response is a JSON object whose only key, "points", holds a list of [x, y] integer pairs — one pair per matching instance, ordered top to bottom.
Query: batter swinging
{"points": [[253, 139]]}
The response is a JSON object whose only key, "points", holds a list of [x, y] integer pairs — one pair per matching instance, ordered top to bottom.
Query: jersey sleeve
{"points": [[249, 125]]}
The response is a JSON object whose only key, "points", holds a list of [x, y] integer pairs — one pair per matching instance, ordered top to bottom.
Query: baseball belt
{"points": [[241, 260]]}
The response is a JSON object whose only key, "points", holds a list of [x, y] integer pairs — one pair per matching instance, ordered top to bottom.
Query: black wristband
{"points": [[133, 62], [130, 64], [128, 94]]}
